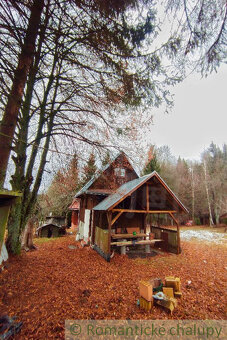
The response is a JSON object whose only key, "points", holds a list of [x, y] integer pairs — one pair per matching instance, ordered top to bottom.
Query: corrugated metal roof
{"points": [[97, 175], [86, 186], [130, 187], [124, 190], [99, 193], [48, 224]]}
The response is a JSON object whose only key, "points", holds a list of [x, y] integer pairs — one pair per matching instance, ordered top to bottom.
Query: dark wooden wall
{"points": [[109, 180]]}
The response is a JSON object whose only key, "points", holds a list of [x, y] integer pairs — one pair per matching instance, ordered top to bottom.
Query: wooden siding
{"points": [[109, 180], [74, 220], [169, 236]]}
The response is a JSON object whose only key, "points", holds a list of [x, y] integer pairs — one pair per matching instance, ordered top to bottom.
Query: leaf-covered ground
{"points": [[54, 283]]}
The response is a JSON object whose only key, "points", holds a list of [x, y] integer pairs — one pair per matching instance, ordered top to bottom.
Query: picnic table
{"points": [[123, 240]]}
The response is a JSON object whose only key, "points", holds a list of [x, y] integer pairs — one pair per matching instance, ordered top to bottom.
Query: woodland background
{"points": [[80, 77], [201, 185]]}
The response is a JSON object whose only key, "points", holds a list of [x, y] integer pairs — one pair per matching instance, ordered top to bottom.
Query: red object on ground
{"points": [[189, 223]]}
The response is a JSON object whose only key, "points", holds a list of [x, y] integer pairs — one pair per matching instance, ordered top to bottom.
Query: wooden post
{"points": [[147, 196], [148, 208], [109, 219], [144, 224], [90, 225], [93, 227], [178, 232]]}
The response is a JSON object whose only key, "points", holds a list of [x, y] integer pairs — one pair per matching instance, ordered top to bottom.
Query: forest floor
{"points": [[45, 287]]}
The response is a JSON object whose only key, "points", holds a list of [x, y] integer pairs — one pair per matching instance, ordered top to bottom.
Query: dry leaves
{"points": [[54, 283]]}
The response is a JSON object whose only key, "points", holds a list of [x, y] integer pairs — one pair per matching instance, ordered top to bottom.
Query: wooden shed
{"points": [[115, 206], [128, 207], [50, 230]]}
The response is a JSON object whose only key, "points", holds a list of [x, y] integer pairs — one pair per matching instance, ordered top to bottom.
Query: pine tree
{"points": [[106, 159], [152, 163], [90, 168]]}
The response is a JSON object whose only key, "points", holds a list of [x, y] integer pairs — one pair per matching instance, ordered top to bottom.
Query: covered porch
{"points": [[121, 220]]}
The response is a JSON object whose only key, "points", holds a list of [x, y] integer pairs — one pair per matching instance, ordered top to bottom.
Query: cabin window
{"points": [[119, 172]]}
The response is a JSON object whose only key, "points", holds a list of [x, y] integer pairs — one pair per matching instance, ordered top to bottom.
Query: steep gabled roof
{"points": [[129, 187], [85, 189], [75, 205], [48, 224]]}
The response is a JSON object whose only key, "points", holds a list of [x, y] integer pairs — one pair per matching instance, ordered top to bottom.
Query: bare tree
{"points": [[201, 27], [25, 58], [90, 63], [193, 192], [207, 193]]}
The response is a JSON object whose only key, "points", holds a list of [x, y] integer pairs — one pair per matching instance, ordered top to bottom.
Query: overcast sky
{"points": [[199, 116]]}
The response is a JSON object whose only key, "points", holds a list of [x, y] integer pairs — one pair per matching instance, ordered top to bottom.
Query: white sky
{"points": [[199, 116]]}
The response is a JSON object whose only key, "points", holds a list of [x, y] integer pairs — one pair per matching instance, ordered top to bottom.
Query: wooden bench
{"points": [[119, 236], [123, 240], [132, 243]]}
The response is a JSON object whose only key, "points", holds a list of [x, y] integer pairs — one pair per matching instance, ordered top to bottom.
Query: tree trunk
{"points": [[9, 120], [21, 181], [207, 193], [193, 195], [217, 210], [21, 212], [217, 216], [27, 242], [13, 243]]}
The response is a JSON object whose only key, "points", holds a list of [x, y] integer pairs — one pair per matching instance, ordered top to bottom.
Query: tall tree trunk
{"points": [[9, 120], [18, 181], [21, 181], [207, 193], [193, 195], [21, 213], [217, 215]]}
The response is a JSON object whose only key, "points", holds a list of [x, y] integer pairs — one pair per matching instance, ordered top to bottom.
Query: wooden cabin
{"points": [[103, 184], [115, 207]]}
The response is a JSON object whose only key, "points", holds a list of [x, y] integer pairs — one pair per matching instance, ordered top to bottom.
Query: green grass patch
{"points": [[42, 240]]}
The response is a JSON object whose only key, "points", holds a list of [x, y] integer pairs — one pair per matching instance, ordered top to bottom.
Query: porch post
{"points": [[109, 219], [145, 224], [93, 228], [178, 232]]}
